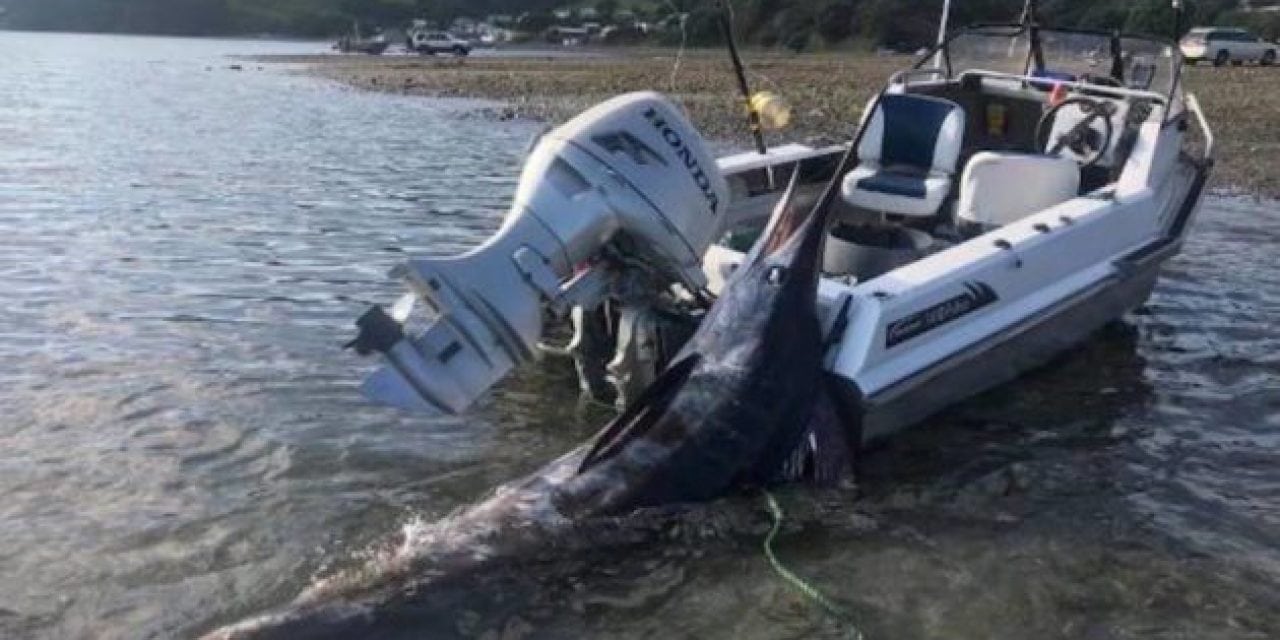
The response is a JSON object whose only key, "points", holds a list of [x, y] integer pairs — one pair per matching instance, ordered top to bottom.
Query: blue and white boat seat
{"points": [[907, 156], [1001, 188]]}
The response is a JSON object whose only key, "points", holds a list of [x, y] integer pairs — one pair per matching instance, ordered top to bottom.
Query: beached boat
{"points": [[1008, 195]]}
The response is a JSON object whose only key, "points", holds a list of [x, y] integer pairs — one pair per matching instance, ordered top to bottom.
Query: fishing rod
{"points": [[1031, 18], [1177, 19], [1031, 22], [942, 32], [753, 115]]}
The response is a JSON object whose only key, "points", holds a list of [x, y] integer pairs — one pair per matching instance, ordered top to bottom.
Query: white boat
{"points": [[1013, 192]]}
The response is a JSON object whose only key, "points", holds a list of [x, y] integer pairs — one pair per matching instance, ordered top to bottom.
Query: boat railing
{"points": [[1023, 80], [1193, 105]]}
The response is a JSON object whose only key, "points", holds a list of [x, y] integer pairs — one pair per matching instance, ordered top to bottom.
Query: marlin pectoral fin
{"points": [[641, 415], [824, 456], [833, 457]]}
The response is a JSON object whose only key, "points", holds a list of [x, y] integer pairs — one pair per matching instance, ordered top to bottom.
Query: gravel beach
{"points": [[827, 92]]}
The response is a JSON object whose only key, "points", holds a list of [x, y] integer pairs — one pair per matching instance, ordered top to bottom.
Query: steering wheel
{"points": [[1082, 142]]}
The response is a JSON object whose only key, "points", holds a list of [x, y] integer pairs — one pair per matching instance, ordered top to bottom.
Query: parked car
{"points": [[433, 42], [1222, 45]]}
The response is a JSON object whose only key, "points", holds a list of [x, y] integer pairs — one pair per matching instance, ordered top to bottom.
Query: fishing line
{"points": [[684, 40], [767, 80], [796, 582]]}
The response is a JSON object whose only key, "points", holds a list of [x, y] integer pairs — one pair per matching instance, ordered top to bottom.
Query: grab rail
{"points": [[1123, 92], [1193, 104]]}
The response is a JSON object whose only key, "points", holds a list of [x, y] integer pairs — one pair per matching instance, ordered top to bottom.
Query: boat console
{"points": [[961, 152]]}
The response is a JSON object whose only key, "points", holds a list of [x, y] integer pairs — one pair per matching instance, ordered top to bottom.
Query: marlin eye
{"points": [[776, 275]]}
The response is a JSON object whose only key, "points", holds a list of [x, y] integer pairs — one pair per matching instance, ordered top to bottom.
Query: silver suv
{"points": [[433, 42], [1223, 45]]}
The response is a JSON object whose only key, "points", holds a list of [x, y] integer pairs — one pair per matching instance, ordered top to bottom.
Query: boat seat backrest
{"points": [[916, 131], [907, 155], [1001, 188]]}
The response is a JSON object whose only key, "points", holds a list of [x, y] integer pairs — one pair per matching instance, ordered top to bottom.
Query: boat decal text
{"points": [[976, 296]]}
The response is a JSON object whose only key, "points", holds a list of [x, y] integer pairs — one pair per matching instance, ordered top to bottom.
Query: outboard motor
{"points": [[626, 187]]}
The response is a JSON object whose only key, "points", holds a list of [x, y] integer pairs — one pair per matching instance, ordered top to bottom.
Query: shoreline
{"points": [[551, 88], [827, 93]]}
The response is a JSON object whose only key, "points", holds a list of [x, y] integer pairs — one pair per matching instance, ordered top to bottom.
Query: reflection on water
{"points": [[185, 245]]}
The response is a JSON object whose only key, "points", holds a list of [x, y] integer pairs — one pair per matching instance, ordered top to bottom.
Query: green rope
{"points": [[798, 583]]}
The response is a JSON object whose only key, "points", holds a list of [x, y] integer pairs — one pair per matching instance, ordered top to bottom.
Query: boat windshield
{"points": [[1132, 62]]}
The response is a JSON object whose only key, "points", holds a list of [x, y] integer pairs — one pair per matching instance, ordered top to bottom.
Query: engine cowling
{"points": [[633, 165], [659, 176]]}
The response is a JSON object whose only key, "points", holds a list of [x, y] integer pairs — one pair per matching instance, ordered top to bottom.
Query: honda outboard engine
{"points": [[626, 187]]}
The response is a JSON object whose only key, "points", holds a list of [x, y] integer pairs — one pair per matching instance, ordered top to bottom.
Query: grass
{"points": [[827, 93]]}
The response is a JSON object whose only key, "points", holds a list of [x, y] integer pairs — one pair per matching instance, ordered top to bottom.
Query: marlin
{"points": [[743, 404]]}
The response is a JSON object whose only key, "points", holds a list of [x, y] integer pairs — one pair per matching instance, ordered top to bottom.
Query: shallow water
{"points": [[185, 245]]}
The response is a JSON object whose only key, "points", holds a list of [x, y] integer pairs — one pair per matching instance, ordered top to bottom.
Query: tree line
{"points": [[793, 23], [911, 23]]}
